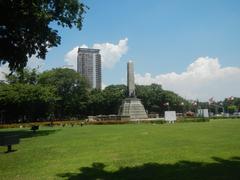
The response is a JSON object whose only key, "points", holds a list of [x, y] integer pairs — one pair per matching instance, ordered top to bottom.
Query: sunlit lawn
{"points": [[207, 150]]}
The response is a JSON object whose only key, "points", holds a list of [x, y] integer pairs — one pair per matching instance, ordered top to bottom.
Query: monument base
{"points": [[132, 107]]}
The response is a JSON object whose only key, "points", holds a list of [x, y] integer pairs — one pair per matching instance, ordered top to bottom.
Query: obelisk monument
{"points": [[130, 79], [132, 106]]}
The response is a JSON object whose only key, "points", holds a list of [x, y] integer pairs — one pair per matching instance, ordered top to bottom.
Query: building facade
{"points": [[89, 66]]}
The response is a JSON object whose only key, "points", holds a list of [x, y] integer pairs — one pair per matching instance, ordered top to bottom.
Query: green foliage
{"points": [[25, 27], [25, 76], [71, 90], [30, 95], [150, 95], [113, 96], [70, 97], [154, 98], [74, 99], [26, 101], [106, 101], [95, 104], [233, 104], [231, 109], [195, 119], [158, 121], [107, 122], [41, 123]]}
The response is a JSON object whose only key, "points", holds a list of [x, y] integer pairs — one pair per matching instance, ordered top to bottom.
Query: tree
{"points": [[25, 27], [25, 76], [71, 88], [150, 95], [113, 96], [154, 99], [26, 101], [106, 101], [96, 103], [231, 109]]}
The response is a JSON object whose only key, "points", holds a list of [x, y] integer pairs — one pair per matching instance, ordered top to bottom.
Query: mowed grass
{"points": [[207, 150]]}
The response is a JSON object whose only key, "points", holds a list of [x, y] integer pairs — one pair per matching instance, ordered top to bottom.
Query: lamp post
{"points": [[230, 100], [167, 104], [182, 104], [221, 105], [196, 108]]}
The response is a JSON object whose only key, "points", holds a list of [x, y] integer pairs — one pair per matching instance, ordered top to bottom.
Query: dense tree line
{"points": [[63, 94], [29, 96], [157, 100], [25, 101], [228, 105]]}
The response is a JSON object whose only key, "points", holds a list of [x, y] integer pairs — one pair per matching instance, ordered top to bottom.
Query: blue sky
{"points": [[165, 37]]}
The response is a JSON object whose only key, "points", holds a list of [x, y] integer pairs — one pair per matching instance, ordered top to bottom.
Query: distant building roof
{"points": [[88, 50]]}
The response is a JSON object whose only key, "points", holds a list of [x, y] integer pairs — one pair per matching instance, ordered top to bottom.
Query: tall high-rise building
{"points": [[89, 66]]}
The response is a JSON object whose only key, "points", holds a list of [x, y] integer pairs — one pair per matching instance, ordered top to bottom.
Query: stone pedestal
{"points": [[132, 107]]}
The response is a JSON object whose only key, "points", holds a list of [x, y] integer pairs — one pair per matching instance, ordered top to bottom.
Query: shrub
{"points": [[193, 119], [106, 122]]}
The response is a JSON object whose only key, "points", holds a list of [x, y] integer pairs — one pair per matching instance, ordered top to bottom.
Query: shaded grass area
{"points": [[25, 133], [129, 151], [182, 170]]}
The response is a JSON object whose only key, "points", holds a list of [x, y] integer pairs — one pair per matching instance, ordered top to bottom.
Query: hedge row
{"points": [[222, 117], [193, 120], [80, 122], [106, 122], [46, 123]]}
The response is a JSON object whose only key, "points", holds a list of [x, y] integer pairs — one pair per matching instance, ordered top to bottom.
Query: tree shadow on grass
{"points": [[28, 133], [221, 169]]}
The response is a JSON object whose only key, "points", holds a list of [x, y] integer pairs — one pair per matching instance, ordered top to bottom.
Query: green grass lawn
{"points": [[207, 150]]}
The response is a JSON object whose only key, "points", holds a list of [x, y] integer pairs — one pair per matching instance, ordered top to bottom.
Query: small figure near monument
{"points": [[132, 106], [82, 123]]}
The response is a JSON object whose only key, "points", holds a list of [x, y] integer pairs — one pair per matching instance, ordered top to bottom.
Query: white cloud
{"points": [[84, 46], [110, 53], [71, 58], [33, 62], [36, 63], [3, 71], [204, 78], [104, 86]]}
